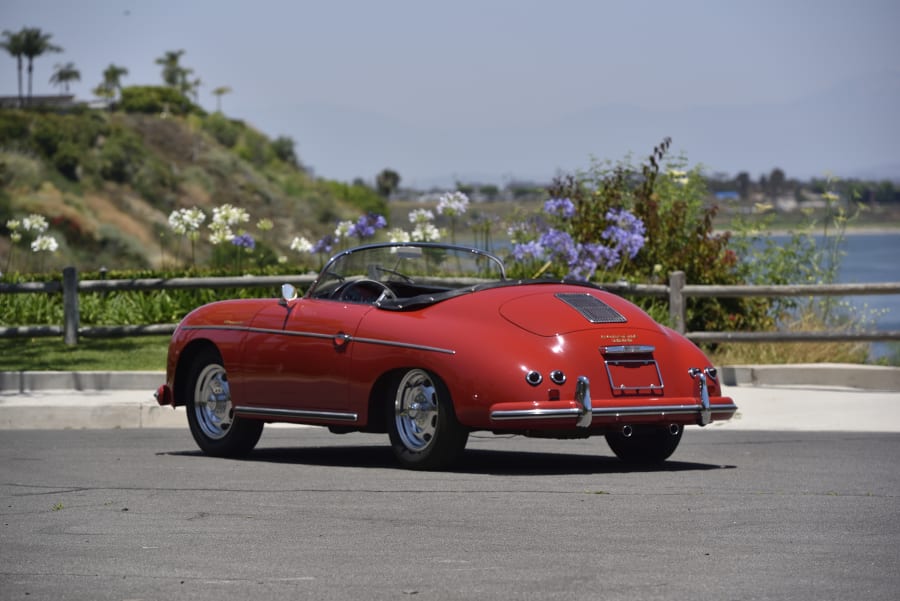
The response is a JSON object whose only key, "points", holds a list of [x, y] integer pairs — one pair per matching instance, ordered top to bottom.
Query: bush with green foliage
{"points": [[155, 100], [226, 131]]}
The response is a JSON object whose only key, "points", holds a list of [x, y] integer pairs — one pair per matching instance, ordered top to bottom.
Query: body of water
{"points": [[871, 258], [874, 258]]}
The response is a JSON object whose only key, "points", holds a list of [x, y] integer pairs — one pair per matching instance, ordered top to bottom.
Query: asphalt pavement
{"points": [[814, 397]]}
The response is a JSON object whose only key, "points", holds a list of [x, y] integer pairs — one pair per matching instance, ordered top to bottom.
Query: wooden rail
{"points": [[677, 291]]}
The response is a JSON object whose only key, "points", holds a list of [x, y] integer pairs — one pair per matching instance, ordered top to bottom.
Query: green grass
{"points": [[139, 353]]}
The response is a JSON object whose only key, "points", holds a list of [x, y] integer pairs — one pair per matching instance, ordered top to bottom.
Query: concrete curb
{"points": [[837, 375], [26, 381]]}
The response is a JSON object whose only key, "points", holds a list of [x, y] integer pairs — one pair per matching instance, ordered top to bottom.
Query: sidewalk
{"points": [[781, 397]]}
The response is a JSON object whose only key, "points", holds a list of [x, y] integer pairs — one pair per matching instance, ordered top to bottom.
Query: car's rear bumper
{"points": [[618, 410]]}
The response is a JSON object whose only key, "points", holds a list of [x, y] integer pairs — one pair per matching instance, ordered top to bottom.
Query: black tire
{"points": [[210, 413], [421, 423], [647, 445]]}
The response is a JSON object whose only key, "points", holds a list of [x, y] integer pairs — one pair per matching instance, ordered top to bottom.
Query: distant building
{"points": [[49, 101]]}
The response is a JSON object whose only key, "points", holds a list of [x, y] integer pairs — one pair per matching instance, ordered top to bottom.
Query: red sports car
{"points": [[430, 342]]}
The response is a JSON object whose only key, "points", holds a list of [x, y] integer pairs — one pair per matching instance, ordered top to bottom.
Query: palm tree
{"points": [[14, 43], [34, 44], [173, 74], [63, 75], [111, 84], [219, 92]]}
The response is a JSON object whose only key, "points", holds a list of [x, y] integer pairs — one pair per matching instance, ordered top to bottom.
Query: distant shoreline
{"points": [[856, 230]]}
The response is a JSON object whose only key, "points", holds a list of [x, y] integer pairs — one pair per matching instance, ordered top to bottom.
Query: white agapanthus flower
{"points": [[452, 204], [230, 215], [419, 216], [223, 218], [187, 222], [35, 223], [13, 226], [343, 229], [425, 232], [220, 234], [398, 235], [45, 244], [301, 244]]}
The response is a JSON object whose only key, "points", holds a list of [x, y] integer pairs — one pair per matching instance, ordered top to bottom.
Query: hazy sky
{"points": [[503, 89]]}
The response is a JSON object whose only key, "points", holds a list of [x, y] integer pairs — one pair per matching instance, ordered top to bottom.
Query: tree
{"points": [[14, 43], [34, 44], [172, 73], [64, 74], [176, 76], [112, 82], [218, 93], [283, 146], [777, 181], [386, 182], [743, 185]]}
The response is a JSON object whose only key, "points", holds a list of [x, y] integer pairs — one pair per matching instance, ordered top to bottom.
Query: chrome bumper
{"points": [[584, 413]]}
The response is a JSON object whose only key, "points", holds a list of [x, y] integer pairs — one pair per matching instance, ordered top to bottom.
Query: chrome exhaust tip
{"points": [[674, 429], [627, 431]]}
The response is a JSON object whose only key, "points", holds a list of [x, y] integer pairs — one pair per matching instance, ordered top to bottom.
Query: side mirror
{"points": [[288, 293]]}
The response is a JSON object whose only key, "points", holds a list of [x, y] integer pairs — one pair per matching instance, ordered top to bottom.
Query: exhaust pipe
{"points": [[674, 429], [627, 431]]}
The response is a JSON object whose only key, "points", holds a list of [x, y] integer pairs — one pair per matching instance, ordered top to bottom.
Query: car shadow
{"points": [[473, 461]]}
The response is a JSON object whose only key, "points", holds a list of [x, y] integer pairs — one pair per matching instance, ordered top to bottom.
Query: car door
{"points": [[296, 357]]}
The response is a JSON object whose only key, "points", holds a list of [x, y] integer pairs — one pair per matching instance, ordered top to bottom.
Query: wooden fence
{"points": [[677, 291]]}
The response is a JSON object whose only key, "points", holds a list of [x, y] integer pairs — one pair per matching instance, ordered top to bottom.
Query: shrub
{"points": [[155, 99], [224, 130], [121, 156], [66, 159]]}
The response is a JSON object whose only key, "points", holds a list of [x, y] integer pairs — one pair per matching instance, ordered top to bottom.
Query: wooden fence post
{"points": [[676, 300], [70, 306]]}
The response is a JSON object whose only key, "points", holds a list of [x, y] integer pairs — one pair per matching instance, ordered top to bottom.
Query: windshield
{"points": [[405, 270]]}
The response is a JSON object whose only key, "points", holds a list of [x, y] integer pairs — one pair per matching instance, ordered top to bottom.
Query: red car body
{"points": [[389, 349]]}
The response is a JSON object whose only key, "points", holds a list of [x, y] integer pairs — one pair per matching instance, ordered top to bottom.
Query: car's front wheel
{"points": [[210, 413], [422, 425], [644, 444]]}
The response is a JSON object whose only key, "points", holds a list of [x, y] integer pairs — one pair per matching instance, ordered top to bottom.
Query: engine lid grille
{"points": [[592, 308]]}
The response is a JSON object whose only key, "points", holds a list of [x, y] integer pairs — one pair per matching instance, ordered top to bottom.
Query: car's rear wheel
{"points": [[210, 413], [422, 425], [644, 444]]}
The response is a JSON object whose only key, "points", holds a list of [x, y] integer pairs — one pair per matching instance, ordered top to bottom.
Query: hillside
{"points": [[108, 181]]}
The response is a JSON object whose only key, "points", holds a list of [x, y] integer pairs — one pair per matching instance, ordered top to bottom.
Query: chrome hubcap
{"points": [[212, 402], [416, 410]]}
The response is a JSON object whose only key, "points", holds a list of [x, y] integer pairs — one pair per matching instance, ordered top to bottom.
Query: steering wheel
{"points": [[363, 291]]}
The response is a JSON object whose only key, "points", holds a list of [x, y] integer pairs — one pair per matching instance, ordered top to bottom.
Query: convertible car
{"points": [[429, 342]]}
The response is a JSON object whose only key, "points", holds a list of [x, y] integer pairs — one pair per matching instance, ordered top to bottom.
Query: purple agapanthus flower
{"points": [[560, 207], [367, 225], [625, 233], [244, 241], [325, 244], [559, 245], [522, 251]]}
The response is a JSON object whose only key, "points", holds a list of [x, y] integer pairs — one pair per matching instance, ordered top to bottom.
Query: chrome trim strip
{"points": [[409, 345], [418, 347], [660, 410], [298, 413], [535, 414]]}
